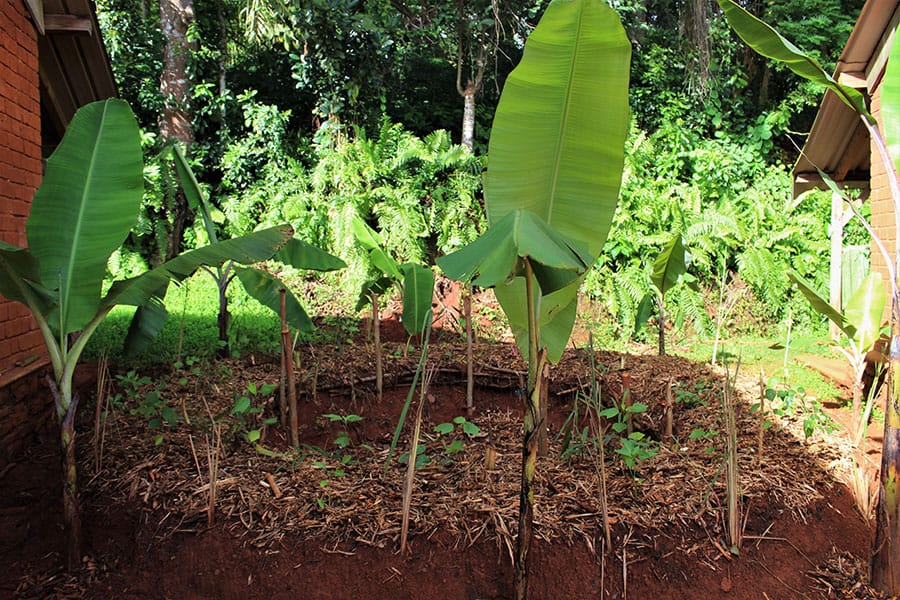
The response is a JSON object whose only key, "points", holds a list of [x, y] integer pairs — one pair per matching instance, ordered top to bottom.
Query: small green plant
{"points": [[693, 395], [786, 401], [248, 403], [149, 404], [459, 424], [699, 433], [343, 439], [634, 447]]}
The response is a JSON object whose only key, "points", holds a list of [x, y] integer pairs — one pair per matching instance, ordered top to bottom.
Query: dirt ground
{"points": [[280, 532]]}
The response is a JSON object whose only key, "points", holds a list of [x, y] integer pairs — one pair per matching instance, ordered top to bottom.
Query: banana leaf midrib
{"points": [[557, 159], [85, 194]]}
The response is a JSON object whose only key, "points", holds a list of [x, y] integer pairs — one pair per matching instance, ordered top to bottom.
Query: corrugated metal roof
{"points": [[74, 66], [838, 143]]}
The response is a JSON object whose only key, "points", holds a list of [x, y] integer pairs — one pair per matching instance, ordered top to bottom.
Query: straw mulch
{"points": [[273, 500]]}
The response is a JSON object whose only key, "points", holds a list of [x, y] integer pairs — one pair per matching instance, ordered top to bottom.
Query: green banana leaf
{"points": [[771, 44], [890, 104], [557, 150], [192, 191], [85, 207], [372, 242], [247, 249], [302, 255], [494, 257], [670, 265], [17, 266], [377, 286], [265, 289], [418, 294], [821, 305], [646, 309], [864, 310], [148, 321]]}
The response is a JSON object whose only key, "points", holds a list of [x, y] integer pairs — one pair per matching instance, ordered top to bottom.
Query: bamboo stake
{"points": [[376, 335], [470, 362], [289, 367], [627, 401], [670, 413], [411, 463], [732, 477]]}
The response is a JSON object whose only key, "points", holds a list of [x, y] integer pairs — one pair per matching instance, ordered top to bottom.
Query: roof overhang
{"points": [[73, 64], [838, 143]]}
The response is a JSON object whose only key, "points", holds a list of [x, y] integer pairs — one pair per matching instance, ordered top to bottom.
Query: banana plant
{"points": [[554, 168], [82, 212], [669, 269], [415, 281], [259, 283], [861, 324], [885, 565]]}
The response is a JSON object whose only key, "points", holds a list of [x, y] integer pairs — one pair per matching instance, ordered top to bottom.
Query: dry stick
{"points": [[183, 314], [376, 333], [285, 334], [289, 366], [470, 374], [102, 376], [596, 400], [626, 401], [670, 416], [762, 416], [212, 461], [411, 463], [732, 477], [276, 491]]}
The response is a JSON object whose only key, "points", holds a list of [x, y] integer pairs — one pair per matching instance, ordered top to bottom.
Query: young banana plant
{"points": [[555, 165], [82, 212], [415, 281], [260, 284]]}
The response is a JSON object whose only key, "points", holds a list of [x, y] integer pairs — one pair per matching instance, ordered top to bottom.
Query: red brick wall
{"points": [[20, 165], [882, 205]]}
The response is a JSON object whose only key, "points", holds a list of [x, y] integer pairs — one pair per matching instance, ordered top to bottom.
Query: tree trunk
{"points": [[175, 17], [468, 123], [886, 552]]}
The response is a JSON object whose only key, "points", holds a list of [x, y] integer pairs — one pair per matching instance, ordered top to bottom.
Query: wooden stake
{"points": [[376, 333], [289, 367], [470, 376], [670, 412]]}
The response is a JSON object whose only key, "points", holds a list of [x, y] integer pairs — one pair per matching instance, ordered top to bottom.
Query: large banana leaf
{"points": [[771, 44], [557, 150], [86, 206], [374, 245], [247, 249], [301, 255], [493, 258], [265, 288], [418, 292], [821, 305], [864, 309]]}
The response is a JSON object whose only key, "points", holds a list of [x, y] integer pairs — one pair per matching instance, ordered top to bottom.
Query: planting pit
{"points": [[329, 527]]}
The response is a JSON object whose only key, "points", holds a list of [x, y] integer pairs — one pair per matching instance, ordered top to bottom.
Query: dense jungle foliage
{"points": [[314, 111]]}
